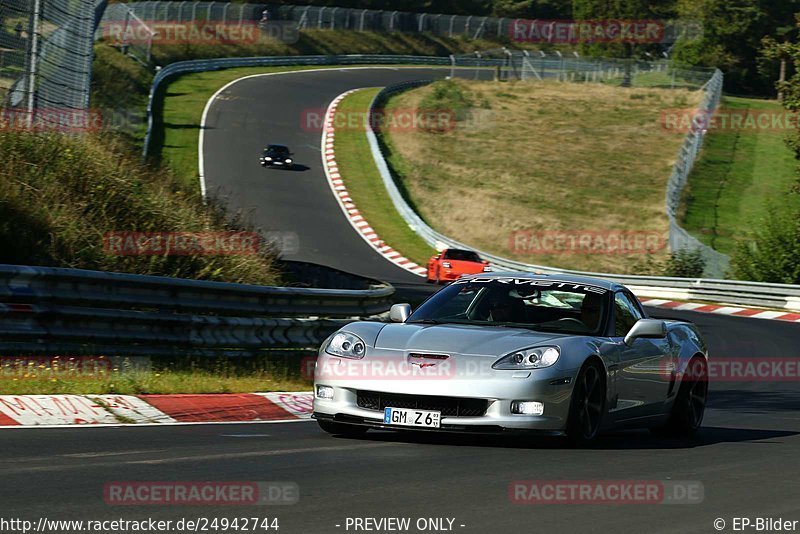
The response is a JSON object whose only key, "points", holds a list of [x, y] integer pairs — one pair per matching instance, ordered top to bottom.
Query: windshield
{"points": [[277, 150], [462, 255], [545, 305]]}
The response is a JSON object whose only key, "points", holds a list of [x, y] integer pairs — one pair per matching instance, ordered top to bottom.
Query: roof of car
{"points": [[277, 146], [586, 280]]}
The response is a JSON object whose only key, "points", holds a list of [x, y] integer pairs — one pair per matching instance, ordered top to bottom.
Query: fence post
{"points": [[363, 14], [319, 17], [333, 18], [391, 21], [421, 21], [452, 23], [466, 27], [33, 37]]}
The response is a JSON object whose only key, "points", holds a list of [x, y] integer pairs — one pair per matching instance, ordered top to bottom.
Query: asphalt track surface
{"points": [[746, 454]]}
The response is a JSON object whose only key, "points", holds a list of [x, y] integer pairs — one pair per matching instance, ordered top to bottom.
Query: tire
{"points": [[690, 403], [588, 405], [342, 429]]}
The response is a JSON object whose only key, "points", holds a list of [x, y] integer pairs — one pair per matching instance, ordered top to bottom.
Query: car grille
{"points": [[449, 406]]}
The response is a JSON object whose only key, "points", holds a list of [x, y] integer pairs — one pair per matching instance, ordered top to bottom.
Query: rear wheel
{"points": [[690, 402], [588, 405], [342, 429]]}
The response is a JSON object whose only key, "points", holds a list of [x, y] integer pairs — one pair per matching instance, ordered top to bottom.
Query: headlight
{"points": [[267, 159], [288, 160], [347, 345], [535, 358]]}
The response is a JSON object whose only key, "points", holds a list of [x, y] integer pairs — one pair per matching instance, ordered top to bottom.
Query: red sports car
{"points": [[451, 263]]}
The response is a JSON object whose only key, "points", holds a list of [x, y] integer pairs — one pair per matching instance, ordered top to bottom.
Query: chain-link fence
{"points": [[341, 18], [46, 62], [539, 65], [679, 239]]}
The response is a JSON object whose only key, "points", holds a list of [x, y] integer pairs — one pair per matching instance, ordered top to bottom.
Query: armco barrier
{"points": [[723, 291], [69, 311]]}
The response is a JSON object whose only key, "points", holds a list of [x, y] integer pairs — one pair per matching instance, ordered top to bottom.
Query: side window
{"points": [[626, 313]]}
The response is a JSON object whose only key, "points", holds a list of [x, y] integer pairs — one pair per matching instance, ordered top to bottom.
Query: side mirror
{"points": [[399, 313], [648, 329]]}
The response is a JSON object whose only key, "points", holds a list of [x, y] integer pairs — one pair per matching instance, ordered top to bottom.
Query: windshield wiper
{"points": [[425, 321]]}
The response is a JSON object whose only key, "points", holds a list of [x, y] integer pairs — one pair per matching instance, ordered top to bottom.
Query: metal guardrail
{"points": [[713, 290], [72, 311]]}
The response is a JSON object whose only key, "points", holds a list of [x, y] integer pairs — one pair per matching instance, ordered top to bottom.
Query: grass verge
{"points": [[535, 158], [741, 175], [364, 184], [61, 195], [275, 373]]}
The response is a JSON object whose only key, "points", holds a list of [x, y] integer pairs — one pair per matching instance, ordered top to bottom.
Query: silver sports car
{"points": [[507, 352]]}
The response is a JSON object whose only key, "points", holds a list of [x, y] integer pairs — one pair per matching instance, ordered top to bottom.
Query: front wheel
{"points": [[588, 405], [342, 429]]}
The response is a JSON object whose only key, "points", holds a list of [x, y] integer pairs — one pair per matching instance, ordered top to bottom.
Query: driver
{"points": [[591, 310]]}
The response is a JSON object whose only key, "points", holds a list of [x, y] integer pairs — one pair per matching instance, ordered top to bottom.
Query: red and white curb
{"points": [[349, 208], [719, 309], [115, 410]]}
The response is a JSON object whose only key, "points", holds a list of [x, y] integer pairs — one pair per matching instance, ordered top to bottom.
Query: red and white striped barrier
{"points": [[342, 196], [753, 313], [58, 410]]}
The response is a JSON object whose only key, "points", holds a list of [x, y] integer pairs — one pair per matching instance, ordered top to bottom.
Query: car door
{"points": [[642, 377]]}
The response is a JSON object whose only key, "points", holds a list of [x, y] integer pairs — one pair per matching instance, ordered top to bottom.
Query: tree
{"points": [[533, 9], [630, 10], [733, 31]]}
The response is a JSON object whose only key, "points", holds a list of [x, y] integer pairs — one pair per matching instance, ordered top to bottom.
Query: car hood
{"points": [[459, 339]]}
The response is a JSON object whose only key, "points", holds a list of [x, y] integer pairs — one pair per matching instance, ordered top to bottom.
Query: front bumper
{"points": [[551, 387]]}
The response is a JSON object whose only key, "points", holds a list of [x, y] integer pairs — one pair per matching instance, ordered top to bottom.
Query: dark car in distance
{"points": [[277, 156]]}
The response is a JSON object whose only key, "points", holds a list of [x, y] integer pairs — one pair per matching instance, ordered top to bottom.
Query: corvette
{"points": [[513, 352]]}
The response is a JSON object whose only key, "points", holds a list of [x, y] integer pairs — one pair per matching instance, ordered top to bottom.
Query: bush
{"points": [[450, 96], [773, 255], [685, 263]]}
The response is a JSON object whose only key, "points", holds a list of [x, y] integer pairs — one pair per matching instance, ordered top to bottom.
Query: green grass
{"points": [[740, 176], [365, 186], [61, 194], [277, 373]]}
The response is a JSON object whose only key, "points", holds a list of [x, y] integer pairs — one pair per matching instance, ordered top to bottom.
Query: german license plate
{"points": [[411, 417]]}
